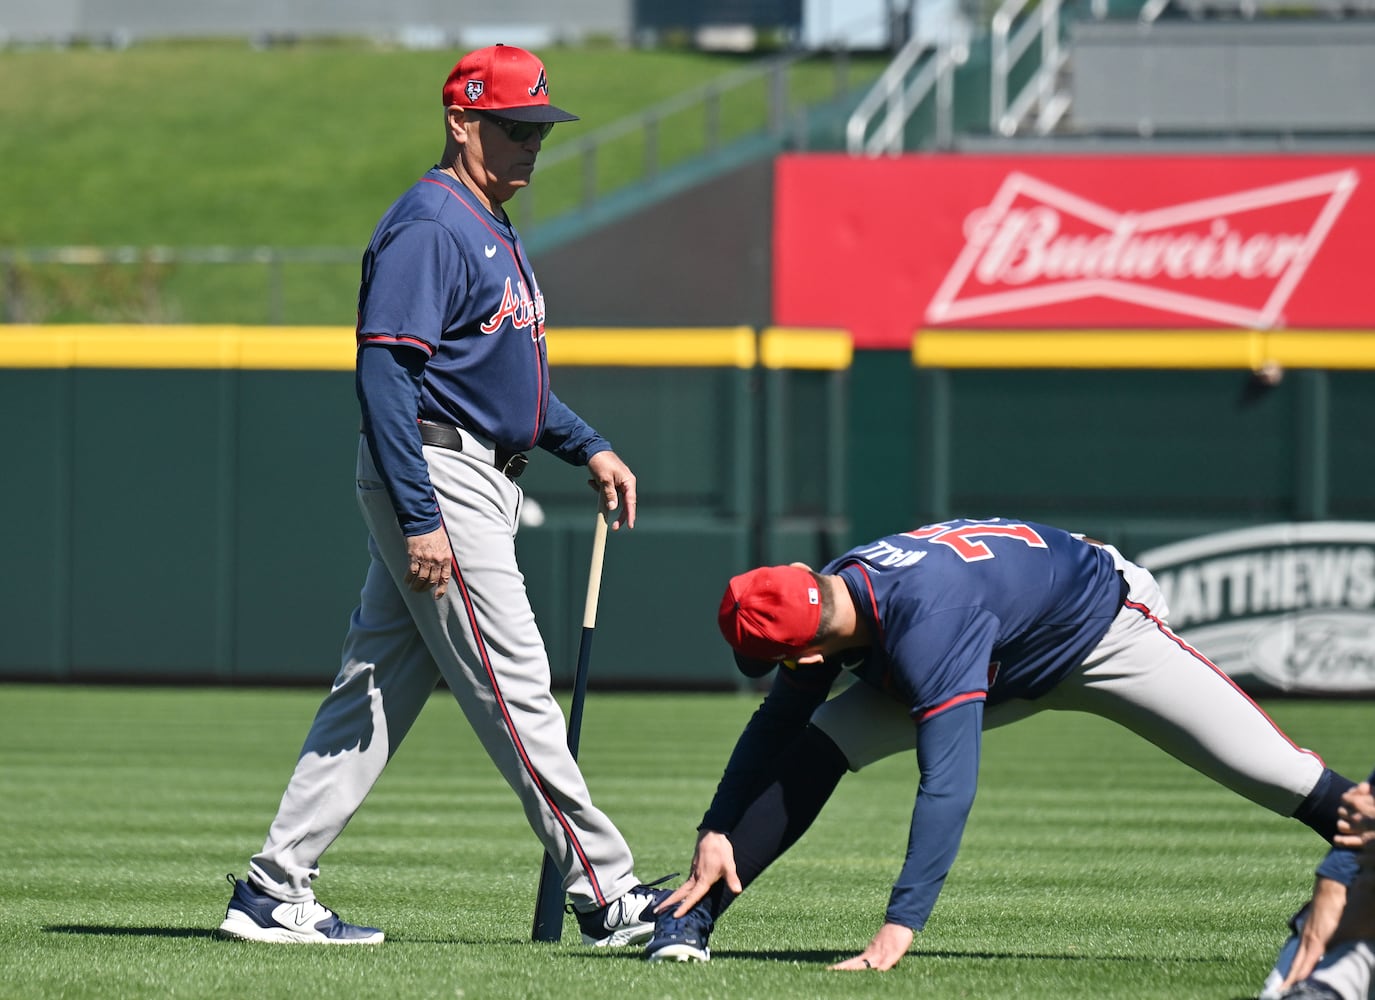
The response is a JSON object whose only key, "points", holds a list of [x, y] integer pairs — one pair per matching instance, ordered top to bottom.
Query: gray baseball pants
{"points": [[481, 638], [1141, 676]]}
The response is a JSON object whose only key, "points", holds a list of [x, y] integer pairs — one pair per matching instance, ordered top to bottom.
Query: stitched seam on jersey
{"points": [[482, 222], [527, 277], [873, 601], [1166, 631], [515, 737]]}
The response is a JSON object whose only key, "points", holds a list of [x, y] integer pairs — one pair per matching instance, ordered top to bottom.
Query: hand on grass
{"points": [[884, 951]]}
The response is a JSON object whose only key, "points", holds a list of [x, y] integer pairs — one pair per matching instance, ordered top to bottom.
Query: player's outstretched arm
{"points": [[712, 861], [884, 951]]}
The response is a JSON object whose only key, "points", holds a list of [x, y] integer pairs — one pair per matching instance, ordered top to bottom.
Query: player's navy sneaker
{"points": [[256, 916], [628, 919], [681, 939], [1284, 961]]}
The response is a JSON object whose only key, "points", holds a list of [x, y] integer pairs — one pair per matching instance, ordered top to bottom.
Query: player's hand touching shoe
{"points": [[712, 861]]}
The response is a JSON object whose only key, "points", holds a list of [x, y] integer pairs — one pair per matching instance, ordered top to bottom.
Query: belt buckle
{"points": [[514, 465]]}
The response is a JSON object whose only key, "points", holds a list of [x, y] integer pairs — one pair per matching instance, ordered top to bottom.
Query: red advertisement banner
{"points": [[888, 247]]}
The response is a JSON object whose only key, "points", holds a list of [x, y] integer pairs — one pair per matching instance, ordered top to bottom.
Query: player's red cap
{"points": [[505, 79], [771, 612]]}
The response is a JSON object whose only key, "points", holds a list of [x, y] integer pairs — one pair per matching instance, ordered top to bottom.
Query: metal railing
{"points": [[1009, 40], [897, 98], [588, 152]]}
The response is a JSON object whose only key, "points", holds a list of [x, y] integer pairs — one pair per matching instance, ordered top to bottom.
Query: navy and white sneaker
{"points": [[256, 916], [628, 919], [681, 939]]}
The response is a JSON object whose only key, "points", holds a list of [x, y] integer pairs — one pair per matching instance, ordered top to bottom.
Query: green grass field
{"points": [[220, 144], [1093, 866]]}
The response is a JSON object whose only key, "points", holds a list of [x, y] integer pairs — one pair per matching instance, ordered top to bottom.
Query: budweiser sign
{"points": [[890, 246], [1233, 259]]}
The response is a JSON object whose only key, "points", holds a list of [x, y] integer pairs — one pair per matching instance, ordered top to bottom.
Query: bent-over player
{"points": [[453, 382], [950, 629]]}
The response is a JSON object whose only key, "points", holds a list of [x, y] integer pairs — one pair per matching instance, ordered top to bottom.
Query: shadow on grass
{"points": [[106, 930], [110, 930], [805, 956]]}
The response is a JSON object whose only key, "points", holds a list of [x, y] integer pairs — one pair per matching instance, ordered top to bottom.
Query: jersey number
{"points": [[962, 538]]}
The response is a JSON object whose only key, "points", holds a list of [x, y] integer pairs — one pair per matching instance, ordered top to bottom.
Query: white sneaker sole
{"points": [[240, 927], [639, 934], [681, 953]]}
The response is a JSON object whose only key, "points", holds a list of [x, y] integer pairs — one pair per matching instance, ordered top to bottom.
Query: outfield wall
{"points": [[181, 498], [180, 504]]}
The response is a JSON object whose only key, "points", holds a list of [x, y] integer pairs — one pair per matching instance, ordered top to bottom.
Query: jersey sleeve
{"points": [[413, 281], [388, 385], [568, 436], [944, 661], [783, 715], [948, 747]]}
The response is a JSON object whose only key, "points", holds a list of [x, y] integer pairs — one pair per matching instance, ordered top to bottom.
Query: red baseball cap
{"points": [[507, 79], [770, 613]]}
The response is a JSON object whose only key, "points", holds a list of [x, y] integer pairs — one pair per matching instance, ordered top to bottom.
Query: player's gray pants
{"points": [[482, 639], [1142, 676]]}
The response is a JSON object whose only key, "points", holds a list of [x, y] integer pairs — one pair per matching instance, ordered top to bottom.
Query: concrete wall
{"points": [[1224, 76]]}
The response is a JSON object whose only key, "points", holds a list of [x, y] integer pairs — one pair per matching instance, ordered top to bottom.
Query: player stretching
{"points": [[453, 381], [951, 629]]}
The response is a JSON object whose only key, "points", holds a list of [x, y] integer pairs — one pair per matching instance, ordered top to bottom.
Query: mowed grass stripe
{"points": [[1093, 866]]}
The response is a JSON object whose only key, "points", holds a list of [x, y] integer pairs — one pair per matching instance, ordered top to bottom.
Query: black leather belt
{"points": [[509, 463]]}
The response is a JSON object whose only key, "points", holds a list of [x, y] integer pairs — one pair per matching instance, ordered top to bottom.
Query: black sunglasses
{"points": [[518, 131]]}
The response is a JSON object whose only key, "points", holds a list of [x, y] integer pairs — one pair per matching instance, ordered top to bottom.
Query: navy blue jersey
{"points": [[443, 275], [448, 284], [966, 610], [959, 613]]}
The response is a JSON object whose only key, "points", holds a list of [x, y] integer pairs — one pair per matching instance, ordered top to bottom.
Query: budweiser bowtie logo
{"points": [[1233, 259]]}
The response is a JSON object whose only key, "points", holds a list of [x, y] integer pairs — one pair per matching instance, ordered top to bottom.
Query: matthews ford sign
{"points": [[1284, 607]]}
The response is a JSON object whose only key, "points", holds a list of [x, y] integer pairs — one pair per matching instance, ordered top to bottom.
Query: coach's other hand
{"points": [[613, 479], [431, 562]]}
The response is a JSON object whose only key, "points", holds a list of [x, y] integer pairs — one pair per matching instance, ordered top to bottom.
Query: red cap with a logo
{"points": [[505, 79], [771, 612]]}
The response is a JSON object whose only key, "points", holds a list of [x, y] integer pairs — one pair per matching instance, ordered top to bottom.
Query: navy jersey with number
{"points": [[969, 609], [959, 614]]}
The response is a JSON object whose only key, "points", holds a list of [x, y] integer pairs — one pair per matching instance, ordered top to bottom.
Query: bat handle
{"points": [[594, 571]]}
